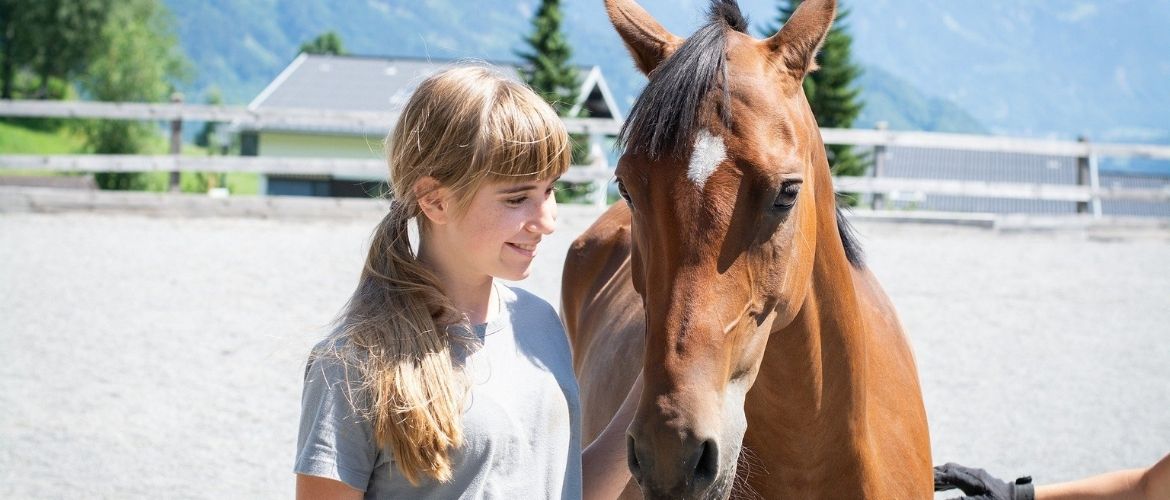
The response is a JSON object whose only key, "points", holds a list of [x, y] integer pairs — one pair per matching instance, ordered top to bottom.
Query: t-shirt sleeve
{"points": [[334, 441]]}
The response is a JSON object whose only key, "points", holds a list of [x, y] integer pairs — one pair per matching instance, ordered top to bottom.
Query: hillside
{"points": [[1098, 67], [1034, 68], [905, 107]]}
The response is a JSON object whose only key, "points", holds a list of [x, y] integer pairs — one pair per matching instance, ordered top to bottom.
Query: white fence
{"points": [[1082, 189]]}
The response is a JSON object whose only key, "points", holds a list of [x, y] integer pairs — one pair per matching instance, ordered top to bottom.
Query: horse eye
{"points": [[625, 194], [787, 197]]}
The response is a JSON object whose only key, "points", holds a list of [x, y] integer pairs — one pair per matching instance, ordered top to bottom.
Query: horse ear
{"points": [[647, 40], [797, 43]]}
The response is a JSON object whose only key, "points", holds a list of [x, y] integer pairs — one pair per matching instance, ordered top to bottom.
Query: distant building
{"points": [[348, 83]]}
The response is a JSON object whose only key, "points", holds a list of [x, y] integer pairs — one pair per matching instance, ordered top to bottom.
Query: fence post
{"points": [[176, 142], [879, 159], [599, 163], [1087, 176], [1095, 182]]}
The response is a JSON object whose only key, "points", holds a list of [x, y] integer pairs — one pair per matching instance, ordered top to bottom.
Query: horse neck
{"points": [[813, 379]]}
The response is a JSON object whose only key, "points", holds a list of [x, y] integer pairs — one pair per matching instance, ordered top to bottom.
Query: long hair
{"points": [[463, 127]]}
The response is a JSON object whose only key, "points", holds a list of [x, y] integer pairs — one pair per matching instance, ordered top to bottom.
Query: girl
{"points": [[438, 381]]}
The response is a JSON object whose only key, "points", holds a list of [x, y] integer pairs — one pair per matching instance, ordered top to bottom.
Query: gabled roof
{"points": [[360, 83]]}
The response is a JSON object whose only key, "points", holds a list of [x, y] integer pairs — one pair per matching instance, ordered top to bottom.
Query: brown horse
{"points": [[774, 364]]}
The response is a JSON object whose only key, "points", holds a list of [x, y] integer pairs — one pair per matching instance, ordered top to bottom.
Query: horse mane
{"points": [[665, 118]]}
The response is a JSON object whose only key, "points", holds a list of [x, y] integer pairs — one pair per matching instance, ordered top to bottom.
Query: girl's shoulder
{"points": [[528, 309], [333, 360]]}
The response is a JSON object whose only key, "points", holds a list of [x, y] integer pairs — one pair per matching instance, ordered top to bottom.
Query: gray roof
{"points": [[349, 83]]}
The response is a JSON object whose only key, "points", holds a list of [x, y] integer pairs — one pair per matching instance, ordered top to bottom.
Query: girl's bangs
{"points": [[525, 142]]}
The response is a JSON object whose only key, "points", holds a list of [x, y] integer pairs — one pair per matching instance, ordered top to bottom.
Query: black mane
{"points": [[665, 117]]}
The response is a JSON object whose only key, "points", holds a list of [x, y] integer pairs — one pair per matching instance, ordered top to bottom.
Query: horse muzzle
{"points": [[688, 468]]}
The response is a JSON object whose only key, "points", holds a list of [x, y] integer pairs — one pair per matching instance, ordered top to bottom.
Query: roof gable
{"points": [[349, 83]]}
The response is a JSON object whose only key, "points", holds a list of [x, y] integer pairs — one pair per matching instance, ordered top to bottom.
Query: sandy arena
{"points": [[152, 357]]}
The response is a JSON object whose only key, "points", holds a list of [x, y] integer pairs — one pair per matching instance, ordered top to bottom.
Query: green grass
{"points": [[16, 140], [237, 183]]}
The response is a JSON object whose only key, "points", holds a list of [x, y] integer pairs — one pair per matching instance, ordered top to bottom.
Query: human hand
{"points": [[977, 484]]}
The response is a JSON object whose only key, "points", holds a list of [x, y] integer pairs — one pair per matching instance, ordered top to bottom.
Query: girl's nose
{"points": [[545, 219]]}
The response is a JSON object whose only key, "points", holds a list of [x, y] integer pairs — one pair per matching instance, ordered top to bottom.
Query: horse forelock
{"points": [[728, 11], [667, 115]]}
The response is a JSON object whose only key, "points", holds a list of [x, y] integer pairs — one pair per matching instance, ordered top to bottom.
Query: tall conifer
{"points": [[547, 69]]}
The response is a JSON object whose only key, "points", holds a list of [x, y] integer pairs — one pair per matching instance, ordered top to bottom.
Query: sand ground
{"points": [[162, 356]]}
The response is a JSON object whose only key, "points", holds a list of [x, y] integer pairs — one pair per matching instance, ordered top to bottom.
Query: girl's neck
{"points": [[473, 295]]}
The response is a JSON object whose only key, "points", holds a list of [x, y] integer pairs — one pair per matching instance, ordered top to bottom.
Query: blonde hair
{"points": [[463, 127]]}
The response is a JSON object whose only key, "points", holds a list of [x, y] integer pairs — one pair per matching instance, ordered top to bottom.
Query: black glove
{"points": [[977, 484]]}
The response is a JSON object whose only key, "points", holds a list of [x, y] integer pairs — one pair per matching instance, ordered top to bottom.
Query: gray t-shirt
{"points": [[521, 423]]}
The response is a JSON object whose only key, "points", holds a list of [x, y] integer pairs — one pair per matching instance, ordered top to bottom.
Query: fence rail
{"points": [[283, 117], [938, 140], [250, 164], [579, 173], [1010, 190], [1087, 192]]}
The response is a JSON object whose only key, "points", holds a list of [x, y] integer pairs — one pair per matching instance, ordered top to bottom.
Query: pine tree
{"points": [[547, 69], [548, 72], [831, 91]]}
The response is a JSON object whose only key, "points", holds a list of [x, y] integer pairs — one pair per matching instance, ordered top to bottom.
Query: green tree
{"points": [[52, 39], [328, 42], [43, 44], [14, 45], [137, 61], [547, 69], [831, 90], [206, 137], [203, 138]]}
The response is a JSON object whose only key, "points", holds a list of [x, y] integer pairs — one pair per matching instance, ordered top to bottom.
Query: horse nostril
{"points": [[632, 460], [707, 467]]}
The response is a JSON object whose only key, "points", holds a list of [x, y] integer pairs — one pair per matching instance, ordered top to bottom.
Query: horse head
{"points": [[727, 181]]}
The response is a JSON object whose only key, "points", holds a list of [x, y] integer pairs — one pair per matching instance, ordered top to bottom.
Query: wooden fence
{"points": [[1088, 193]]}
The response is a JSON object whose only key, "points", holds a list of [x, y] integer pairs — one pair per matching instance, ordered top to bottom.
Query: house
{"points": [[349, 83]]}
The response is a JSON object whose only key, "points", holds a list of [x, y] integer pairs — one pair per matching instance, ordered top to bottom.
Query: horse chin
{"points": [[723, 486], [720, 490]]}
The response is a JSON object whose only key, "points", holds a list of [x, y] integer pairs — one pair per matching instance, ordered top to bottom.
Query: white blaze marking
{"points": [[708, 153]]}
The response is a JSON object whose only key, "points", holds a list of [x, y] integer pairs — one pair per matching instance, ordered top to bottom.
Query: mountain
{"points": [[1031, 67], [1034, 68], [905, 107]]}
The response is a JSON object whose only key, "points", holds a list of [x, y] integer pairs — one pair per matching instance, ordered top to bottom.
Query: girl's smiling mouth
{"points": [[528, 250]]}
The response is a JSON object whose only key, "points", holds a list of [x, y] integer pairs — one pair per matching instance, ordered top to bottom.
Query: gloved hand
{"points": [[977, 484]]}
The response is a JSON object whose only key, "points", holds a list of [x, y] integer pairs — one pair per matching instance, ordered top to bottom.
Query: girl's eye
{"points": [[515, 202]]}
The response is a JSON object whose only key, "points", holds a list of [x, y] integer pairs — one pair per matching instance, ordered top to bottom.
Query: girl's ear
{"points": [[434, 200]]}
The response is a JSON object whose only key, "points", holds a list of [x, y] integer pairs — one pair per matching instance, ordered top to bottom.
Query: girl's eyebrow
{"points": [[517, 188]]}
